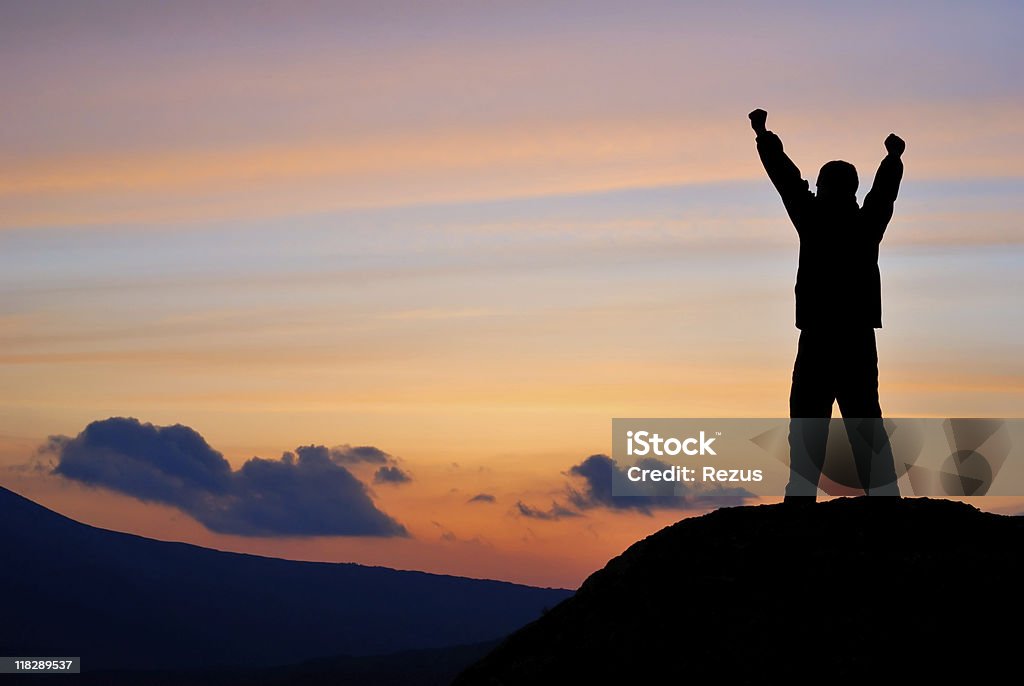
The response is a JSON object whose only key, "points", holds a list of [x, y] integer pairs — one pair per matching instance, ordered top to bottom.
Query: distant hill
{"points": [[847, 590], [126, 602]]}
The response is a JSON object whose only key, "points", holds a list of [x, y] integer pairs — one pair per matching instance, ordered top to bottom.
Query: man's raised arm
{"points": [[784, 174], [878, 203]]}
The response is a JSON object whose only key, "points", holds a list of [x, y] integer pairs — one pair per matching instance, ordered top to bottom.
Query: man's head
{"points": [[837, 180]]}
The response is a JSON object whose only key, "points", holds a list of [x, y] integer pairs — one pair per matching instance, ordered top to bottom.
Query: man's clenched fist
{"points": [[757, 120], [895, 145]]}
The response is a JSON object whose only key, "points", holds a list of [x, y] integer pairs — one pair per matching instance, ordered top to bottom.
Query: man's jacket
{"points": [[837, 282]]}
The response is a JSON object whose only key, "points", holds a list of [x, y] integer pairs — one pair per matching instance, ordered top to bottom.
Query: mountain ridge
{"points": [[122, 601]]}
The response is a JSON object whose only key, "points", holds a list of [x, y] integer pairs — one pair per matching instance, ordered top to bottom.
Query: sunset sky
{"points": [[470, 234]]}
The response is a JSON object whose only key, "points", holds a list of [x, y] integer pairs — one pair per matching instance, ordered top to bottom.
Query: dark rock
{"points": [[848, 589]]}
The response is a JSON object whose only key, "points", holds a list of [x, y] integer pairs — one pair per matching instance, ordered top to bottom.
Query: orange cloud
{"points": [[442, 165]]}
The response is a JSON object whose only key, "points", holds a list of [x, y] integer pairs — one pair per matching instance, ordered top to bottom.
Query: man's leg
{"points": [[857, 394], [810, 408]]}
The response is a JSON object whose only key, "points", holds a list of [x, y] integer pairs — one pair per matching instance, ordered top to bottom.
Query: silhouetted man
{"points": [[838, 308]]}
